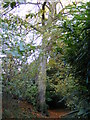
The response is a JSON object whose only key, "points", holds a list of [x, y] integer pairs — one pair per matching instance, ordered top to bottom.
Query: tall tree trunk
{"points": [[43, 58], [42, 74], [42, 85]]}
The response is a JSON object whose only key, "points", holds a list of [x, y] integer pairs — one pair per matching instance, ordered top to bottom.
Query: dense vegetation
{"points": [[66, 49]]}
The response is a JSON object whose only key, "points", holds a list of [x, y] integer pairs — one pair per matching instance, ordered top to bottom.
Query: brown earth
{"points": [[14, 108], [53, 113]]}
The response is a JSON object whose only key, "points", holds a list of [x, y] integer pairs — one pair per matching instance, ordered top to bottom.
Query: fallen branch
{"points": [[62, 99], [70, 113]]}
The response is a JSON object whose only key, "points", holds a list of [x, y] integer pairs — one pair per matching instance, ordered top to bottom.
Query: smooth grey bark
{"points": [[42, 68], [42, 73], [42, 85]]}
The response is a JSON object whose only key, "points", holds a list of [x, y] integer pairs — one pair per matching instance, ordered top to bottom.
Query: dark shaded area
{"points": [[55, 104], [10, 107]]}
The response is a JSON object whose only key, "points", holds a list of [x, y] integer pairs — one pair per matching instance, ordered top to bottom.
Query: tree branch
{"points": [[32, 3], [18, 4], [61, 4], [43, 15], [32, 26]]}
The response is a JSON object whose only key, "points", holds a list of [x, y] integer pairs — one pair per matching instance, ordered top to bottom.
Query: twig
{"points": [[61, 4]]}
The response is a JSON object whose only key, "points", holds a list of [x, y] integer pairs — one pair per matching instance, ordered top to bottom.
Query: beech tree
{"points": [[8, 7]]}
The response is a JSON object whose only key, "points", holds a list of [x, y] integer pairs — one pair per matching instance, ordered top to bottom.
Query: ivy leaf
{"points": [[6, 4], [13, 4], [27, 15], [30, 15], [33, 48]]}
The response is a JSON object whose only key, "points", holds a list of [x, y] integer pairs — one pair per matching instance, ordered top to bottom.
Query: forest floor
{"points": [[13, 108], [53, 113]]}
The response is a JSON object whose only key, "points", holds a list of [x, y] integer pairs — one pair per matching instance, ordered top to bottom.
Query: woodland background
{"points": [[46, 56]]}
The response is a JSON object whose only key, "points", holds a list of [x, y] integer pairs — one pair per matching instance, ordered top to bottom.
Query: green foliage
{"points": [[6, 4], [13, 4], [30, 15], [15, 46], [76, 50], [76, 53], [55, 73], [71, 82], [22, 84], [31, 94]]}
